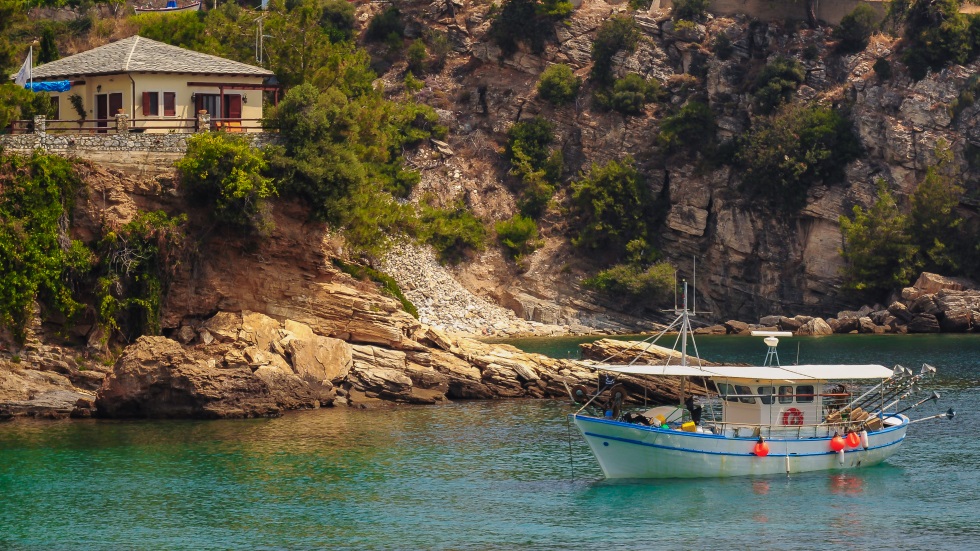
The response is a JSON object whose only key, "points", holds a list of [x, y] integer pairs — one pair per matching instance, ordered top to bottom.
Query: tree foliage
{"points": [[690, 10], [526, 21], [855, 29], [616, 34], [936, 34], [776, 83], [558, 84], [630, 95], [17, 103], [691, 129], [799, 147], [534, 163], [226, 172], [612, 208], [934, 223], [452, 232], [518, 235], [878, 250], [38, 259], [631, 285]]}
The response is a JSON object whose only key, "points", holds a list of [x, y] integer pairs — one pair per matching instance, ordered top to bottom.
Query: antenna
{"points": [[675, 290], [694, 291]]}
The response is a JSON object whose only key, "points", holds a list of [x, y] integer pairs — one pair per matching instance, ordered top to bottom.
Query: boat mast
{"points": [[685, 323]]}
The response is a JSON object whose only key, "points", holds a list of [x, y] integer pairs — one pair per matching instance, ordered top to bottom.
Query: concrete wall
{"points": [[131, 153]]}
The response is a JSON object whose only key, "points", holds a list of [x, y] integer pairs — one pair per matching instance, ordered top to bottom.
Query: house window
{"points": [[153, 100], [56, 107]]}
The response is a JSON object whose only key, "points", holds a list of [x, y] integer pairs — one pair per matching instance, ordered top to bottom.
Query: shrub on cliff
{"points": [[690, 10], [527, 21], [386, 24], [855, 29], [615, 34], [936, 34], [776, 83], [558, 84], [630, 95], [690, 129], [799, 147], [534, 163], [226, 173], [612, 207], [934, 225], [453, 232], [518, 236], [38, 259], [138, 260], [629, 284]]}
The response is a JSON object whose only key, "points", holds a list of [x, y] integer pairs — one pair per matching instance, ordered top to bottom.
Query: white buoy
{"points": [[864, 439], [840, 457]]}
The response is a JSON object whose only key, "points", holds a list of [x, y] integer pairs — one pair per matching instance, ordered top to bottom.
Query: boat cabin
{"points": [[786, 403]]}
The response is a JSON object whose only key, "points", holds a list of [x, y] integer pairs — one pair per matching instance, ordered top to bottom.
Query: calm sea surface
{"points": [[479, 475]]}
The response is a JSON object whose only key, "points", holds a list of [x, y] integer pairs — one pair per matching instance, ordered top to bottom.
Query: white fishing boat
{"points": [[171, 7], [758, 420]]}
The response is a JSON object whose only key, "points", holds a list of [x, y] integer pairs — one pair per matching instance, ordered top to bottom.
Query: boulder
{"points": [[933, 283], [925, 304], [900, 311], [769, 320], [956, 321], [923, 323], [788, 324], [847, 325], [866, 325], [224, 326], [816, 326], [736, 327], [260, 329], [711, 330], [186, 334], [317, 360], [156, 377], [288, 390]]}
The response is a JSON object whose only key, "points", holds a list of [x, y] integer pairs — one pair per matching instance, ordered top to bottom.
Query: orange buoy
{"points": [[853, 440], [837, 443], [761, 449]]}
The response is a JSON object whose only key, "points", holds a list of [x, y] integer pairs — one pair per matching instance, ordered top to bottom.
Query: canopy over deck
{"points": [[787, 373]]}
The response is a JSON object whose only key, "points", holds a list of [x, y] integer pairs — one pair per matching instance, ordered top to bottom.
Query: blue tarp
{"points": [[52, 86]]}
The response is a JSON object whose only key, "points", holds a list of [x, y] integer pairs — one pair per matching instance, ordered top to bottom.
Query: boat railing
{"points": [[733, 429]]}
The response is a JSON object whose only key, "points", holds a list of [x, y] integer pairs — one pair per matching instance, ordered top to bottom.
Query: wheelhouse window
{"points": [[152, 102], [727, 392], [744, 394], [766, 394], [786, 394], [804, 394]]}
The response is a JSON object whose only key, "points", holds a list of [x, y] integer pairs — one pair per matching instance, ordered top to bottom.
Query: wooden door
{"points": [[115, 104], [233, 107], [101, 112]]}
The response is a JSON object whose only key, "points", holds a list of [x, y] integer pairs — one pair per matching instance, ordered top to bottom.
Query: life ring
{"points": [[617, 393], [792, 416]]}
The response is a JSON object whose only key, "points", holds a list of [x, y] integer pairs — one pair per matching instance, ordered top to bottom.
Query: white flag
{"points": [[21, 77]]}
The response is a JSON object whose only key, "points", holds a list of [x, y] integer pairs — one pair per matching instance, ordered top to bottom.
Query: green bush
{"points": [[640, 5], [690, 10], [337, 20], [527, 21], [384, 25], [855, 29], [615, 34], [937, 35], [722, 46], [416, 55], [882, 69], [776, 83], [558, 84], [630, 94], [18, 103], [690, 129], [801, 146], [534, 163], [226, 172], [612, 207], [933, 221], [452, 232], [518, 236], [38, 259], [138, 261], [388, 284], [629, 284]]}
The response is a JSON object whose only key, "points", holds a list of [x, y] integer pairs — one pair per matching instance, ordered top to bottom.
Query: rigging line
{"points": [[651, 343], [627, 349], [568, 433]]}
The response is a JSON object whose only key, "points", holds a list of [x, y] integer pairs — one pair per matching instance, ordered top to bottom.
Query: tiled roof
{"points": [[138, 54]]}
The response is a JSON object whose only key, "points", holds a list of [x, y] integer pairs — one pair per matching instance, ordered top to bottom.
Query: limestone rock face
{"points": [[923, 323], [157, 377]]}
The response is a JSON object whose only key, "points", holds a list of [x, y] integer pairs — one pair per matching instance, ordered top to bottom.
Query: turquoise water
{"points": [[478, 475]]}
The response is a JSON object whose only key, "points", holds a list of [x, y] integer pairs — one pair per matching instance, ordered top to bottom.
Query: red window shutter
{"points": [[169, 104], [146, 105], [233, 107]]}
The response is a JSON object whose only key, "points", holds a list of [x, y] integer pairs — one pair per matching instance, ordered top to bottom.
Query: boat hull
{"points": [[626, 450]]}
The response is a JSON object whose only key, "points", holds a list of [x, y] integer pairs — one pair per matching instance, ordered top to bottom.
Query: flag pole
{"points": [[30, 65]]}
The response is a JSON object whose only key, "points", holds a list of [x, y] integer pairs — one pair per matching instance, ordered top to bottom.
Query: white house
{"points": [[160, 87]]}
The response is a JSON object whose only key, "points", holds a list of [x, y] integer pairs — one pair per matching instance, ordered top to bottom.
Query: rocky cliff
{"points": [[751, 261]]}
